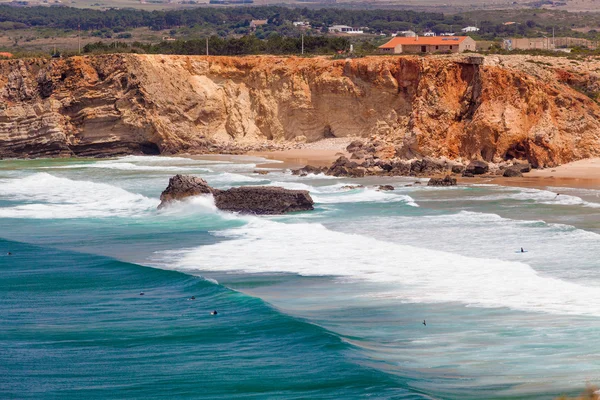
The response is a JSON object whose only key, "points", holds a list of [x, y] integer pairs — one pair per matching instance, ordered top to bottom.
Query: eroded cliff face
{"points": [[123, 104]]}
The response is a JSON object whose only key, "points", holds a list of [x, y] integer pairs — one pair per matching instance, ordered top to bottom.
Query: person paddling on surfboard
{"points": [[522, 251]]}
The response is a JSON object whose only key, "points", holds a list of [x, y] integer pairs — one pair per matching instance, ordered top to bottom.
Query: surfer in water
{"points": [[522, 251], [9, 254], [193, 298], [214, 312], [424, 323]]}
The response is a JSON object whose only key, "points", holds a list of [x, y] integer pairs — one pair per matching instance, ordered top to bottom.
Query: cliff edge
{"points": [[157, 104]]}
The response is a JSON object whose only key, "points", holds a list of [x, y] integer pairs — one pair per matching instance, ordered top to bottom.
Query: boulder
{"points": [[354, 146], [344, 167], [477, 167], [522, 167], [458, 168], [261, 172], [512, 172], [467, 174], [446, 181], [182, 186], [385, 187], [245, 199]]}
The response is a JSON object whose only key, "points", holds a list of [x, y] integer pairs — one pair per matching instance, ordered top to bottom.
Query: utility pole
{"points": [[79, 37], [553, 42], [303, 43], [207, 46]]}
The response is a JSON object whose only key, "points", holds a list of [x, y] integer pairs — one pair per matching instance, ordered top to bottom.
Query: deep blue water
{"points": [[318, 305]]}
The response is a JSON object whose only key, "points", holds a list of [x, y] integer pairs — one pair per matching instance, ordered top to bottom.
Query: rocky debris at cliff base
{"points": [[425, 167], [445, 181], [385, 187], [264, 200]]}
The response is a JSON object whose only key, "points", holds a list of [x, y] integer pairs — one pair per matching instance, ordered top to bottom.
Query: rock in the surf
{"points": [[446, 181], [182, 186], [246, 199], [263, 200]]}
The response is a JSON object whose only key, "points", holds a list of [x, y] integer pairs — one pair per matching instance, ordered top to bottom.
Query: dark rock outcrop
{"points": [[446, 181], [246, 199], [263, 200]]}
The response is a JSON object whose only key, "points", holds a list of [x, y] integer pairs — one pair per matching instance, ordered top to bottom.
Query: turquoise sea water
{"points": [[323, 304]]}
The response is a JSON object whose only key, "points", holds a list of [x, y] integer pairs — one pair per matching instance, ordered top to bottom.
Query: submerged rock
{"points": [[446, 181], [385, 187], [245, 199]]}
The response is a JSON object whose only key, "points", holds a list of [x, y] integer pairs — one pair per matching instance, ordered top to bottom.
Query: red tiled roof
{"points": [[430, 40], [4, 54]]}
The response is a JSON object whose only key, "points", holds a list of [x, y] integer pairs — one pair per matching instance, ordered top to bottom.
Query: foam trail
{"points": [[49, 196], [364, 196], [417, 275]]}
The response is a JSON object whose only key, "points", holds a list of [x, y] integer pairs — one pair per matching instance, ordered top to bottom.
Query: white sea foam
{"points": [[125, 166], [228, 179], [48, 196], [363, 196], [538, 196], [418, 275]]}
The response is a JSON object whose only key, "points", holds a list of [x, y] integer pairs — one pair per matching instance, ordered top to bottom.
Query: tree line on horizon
{"points": [[245, 45]]}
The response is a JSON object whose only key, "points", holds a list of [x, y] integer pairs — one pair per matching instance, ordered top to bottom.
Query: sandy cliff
{"points": [[438, 106]]}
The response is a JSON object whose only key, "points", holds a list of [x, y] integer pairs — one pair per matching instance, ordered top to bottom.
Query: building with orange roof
{"points": [[436, 44], [4, 54]]}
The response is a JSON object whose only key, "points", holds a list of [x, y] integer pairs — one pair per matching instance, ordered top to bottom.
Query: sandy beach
{"points": [[320, 154]]}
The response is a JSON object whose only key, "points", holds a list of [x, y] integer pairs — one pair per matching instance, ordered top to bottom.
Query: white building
{"points": [[301, 24], [344, 29], [470, 29], [405, 34], [429, 34], [447, 34]]}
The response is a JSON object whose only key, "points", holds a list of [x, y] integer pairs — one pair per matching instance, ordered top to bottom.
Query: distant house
{"points": [[257, 22], [509, 23], [344, 29], [470, 29], [405, 34], [429, 34], [447, 34], [456, 44], [5, 55]]}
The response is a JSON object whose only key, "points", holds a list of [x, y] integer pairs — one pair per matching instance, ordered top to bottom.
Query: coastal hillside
{"points": [[534, 108]]}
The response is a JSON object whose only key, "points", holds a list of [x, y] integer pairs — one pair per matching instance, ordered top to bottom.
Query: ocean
{"points": [[327, 304]]}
